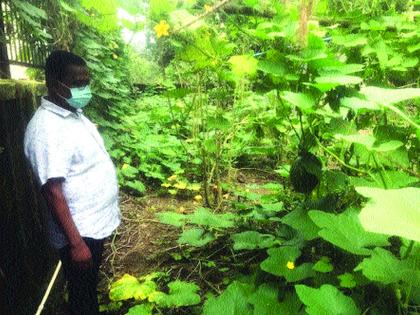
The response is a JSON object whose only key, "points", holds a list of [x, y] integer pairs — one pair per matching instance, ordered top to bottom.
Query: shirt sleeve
{"points": [[50, 156]]}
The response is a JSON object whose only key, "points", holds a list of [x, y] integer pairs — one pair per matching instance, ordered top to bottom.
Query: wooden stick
{"points": [[50, 285]]}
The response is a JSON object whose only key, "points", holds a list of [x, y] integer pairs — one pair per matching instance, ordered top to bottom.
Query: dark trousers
{"points": [[82, 284]]}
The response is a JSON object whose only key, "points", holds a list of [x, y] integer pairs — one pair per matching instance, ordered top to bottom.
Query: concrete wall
{"points": [[26, 260]]}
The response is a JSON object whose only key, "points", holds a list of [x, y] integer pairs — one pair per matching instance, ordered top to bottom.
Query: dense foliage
{"points": [[323, 95]]}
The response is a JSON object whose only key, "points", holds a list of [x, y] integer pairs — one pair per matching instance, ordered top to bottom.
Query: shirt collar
{"points": [[57, 109]]}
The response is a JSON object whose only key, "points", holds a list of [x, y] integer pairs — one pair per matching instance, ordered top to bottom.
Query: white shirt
{"points": [[60, 143]]}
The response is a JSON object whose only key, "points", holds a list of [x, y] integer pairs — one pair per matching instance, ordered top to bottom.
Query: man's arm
{"points": [[53, 194]]}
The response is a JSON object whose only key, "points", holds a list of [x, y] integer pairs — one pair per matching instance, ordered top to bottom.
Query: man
{"points": [[76, 176]]}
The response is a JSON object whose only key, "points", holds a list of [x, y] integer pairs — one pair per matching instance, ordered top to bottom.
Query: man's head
{"points": [[65, 70]]}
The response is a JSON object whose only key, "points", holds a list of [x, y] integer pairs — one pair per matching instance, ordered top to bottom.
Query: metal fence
{"points": [[19, 45]]}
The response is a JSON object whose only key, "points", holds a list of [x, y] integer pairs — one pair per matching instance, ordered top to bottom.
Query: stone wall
{"points": [[26, 260]]}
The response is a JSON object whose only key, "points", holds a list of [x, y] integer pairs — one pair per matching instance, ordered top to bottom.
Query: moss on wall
{"points": [[26, 259]]}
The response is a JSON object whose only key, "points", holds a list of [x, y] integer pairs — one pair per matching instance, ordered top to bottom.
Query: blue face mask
{"points": [[80, 96]]}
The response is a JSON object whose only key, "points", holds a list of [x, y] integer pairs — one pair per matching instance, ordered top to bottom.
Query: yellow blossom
{"points": [[207, 8], [162, 29], [125, 165], [166, 185], [198, 198], [290, 265]]}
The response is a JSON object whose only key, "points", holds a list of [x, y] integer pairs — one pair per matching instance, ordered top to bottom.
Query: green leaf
{"points": [[30, 9], [350, 40], [243, 65], [271, 67], [341, 68], [326, 83], [389, 96], [300, 100], [358, 104], [219, 123], [366, 140], [129, 171], [393, 179], [136, 185], [272, 207], [392, 211], [203, 216], [172, 218], [300, 221], [345, 231], [195, 237], [252, 240], [280, 262], [323, 265], [384, 267], [347, 280], [130, 287], [181, 293], [327, 300], [233, 301], [266, 302], [142, 309]]}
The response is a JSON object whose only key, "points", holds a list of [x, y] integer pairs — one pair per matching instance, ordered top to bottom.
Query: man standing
{"points": [[76, 176]]}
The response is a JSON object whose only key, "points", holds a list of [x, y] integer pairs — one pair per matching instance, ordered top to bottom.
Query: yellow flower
{"points": [[207, 8], [162, 29], [125, 165], [166, 185], [198, 198], [290, 265]]}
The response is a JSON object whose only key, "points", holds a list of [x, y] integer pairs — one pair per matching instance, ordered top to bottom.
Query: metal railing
{"points": [[19, 45]]}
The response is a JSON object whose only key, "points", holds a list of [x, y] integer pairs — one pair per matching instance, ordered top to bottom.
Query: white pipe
{"points": [[50, 285]]}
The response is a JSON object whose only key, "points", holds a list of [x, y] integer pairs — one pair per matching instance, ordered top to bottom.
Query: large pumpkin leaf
{"points": [[392, 179], [393, 211], [203, 216], [299, 220], [345, 231], [195, 237], [252, 240], [281, 262], [384, 267], [130, 287], [181, 293], [327, 300], [233, 301], [266, 302], [142, 309]]}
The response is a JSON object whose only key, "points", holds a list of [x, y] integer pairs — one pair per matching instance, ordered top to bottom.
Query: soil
{"points": [[141, 243]]}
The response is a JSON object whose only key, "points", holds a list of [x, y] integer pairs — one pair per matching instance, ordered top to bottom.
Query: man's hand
{"points": [[79, 251], [81, 255]]}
